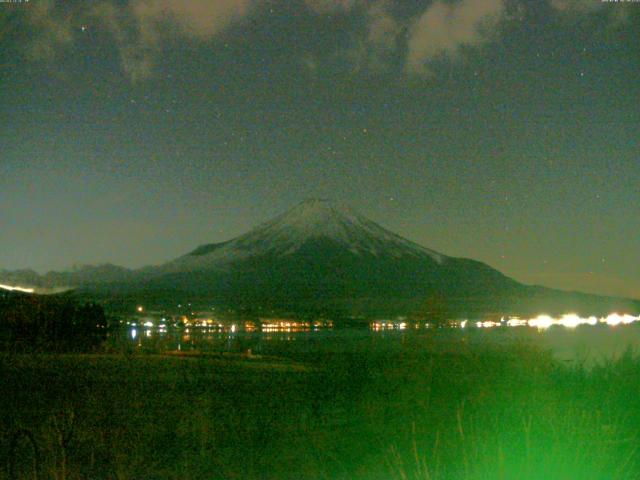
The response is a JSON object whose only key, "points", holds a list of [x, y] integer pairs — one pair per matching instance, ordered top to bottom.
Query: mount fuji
{"points": [[311, 224], [321, 256], [324, 258]]}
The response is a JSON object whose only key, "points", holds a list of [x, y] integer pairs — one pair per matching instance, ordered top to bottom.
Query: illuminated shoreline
{"points": [[16, 289], [568, 320], [541, 322]]}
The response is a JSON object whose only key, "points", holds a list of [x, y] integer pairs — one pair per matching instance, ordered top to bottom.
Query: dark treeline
{"points": [[50, 322]]}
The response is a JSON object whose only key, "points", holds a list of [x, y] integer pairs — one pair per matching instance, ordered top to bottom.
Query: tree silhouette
{"points": [[51, 322]]}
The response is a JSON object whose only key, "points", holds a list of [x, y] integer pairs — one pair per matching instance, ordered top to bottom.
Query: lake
{"points": [[585, 343]]}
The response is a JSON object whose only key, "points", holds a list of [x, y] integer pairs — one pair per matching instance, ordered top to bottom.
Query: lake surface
{"points": [[585, 343]]}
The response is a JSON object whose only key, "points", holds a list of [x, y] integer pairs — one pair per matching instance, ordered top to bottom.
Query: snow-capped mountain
{"points": [[309, 222], [324, 256]]}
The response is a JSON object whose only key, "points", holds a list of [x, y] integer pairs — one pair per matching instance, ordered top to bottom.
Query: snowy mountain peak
{"points": [[315, 218], [310, 221]]}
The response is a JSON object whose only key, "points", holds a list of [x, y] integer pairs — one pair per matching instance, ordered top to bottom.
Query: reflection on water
{"points": [[568, 337]]}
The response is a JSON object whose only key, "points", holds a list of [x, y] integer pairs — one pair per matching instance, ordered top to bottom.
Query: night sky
{"points": [[504, 131]]}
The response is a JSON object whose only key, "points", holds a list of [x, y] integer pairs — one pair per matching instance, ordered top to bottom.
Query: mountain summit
{"points": [[315, 219], [312, 223]]}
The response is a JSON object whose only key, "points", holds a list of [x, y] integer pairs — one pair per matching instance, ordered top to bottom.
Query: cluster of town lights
{"points": [[569, 320]]}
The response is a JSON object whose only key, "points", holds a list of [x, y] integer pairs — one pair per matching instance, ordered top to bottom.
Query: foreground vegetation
{"points": [[50, 322], [512, 413]]}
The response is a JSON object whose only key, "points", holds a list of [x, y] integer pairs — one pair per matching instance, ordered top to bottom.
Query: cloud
{"points": [[331, 6], [577, 6], [619, 13], [197, 18], [201, 19], [444, 27], [138, 28], [383, 29], [52, 31], [381, 36], [377, 45], [139, 48]]}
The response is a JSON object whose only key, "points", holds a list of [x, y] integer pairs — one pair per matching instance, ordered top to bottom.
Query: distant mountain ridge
{"points": [[322, 256], [77, 276]]}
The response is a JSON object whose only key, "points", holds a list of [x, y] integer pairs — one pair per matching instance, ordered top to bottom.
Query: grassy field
{"points": [[511, 413]]}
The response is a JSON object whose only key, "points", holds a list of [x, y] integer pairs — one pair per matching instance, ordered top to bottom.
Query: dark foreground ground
{"points": [[499, 414]]}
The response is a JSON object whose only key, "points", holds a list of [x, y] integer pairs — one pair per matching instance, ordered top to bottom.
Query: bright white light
{"points": [[17, 289], [616, 319], [570, 320], [516, 322], [541, 322], [148, 323], [487, 324], [134, 333]]}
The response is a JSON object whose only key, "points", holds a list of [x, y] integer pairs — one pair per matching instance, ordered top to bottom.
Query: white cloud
{"points": [[197, 18], [200, 19], [444, 27], [138, 29]]}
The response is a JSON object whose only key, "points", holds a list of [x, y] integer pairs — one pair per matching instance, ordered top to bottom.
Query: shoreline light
{"points": [[16, 289], [572, 320], [541, 322]]}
